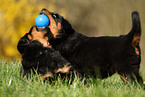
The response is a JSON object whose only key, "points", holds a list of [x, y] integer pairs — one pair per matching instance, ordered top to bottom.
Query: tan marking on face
{"points": [[54, 28], [39, 36]]}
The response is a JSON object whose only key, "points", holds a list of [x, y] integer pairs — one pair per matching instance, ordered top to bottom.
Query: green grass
{"points": [[13, 85]]}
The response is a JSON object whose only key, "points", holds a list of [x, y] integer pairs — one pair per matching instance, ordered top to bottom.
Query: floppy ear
{"points": [[66, 26]]}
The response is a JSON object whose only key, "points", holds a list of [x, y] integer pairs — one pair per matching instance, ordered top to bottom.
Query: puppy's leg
{"points": [[64, 69], [48, 74], [122, 77], [134, 77], [139, 78]]}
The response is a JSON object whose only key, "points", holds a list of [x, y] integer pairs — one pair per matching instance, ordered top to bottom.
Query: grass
{"points": [[13, 85]]}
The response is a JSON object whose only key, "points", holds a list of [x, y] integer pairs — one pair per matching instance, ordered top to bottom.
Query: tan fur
{"points": [[54, 28], [39, 36], [135, 42], [64, 69], [49, 74]]}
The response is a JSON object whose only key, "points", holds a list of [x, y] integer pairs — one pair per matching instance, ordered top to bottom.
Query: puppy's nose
{"points": [[43, 9]]}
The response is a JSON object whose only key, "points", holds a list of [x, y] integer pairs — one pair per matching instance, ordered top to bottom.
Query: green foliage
{"points": [[17, 16], [13, 85]]}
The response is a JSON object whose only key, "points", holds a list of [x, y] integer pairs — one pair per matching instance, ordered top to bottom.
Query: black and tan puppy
{"points": [[97, 56], [37, 58]]}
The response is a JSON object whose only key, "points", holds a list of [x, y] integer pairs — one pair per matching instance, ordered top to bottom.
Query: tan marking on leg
{"points": [[135, 42], [64, 69], [49, 74], [125, 79]]}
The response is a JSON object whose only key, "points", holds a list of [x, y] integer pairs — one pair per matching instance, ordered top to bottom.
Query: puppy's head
{"points": [[59, 27], [41, 36]]}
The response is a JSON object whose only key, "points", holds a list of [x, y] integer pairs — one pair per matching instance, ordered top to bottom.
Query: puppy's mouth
{"points": [[44, 11], [57, 18], [55, 23]]}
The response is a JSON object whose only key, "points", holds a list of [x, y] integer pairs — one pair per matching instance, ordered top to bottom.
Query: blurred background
{"points": [[90, 17]]}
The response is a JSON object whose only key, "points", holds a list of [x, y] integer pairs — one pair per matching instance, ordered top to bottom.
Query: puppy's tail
{"points": [[135, 33]]}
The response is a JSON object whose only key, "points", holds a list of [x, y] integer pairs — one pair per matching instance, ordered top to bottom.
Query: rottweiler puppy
{"points": [[97, 56], [38, 59]]}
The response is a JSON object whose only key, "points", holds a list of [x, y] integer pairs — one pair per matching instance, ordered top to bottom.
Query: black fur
{"points": [[100, 56], [36, 58]]}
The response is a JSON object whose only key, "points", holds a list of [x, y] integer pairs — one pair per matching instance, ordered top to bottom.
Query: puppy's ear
{"points": [[67, 27]]}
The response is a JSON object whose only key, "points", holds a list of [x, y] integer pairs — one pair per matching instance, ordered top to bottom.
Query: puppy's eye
{"points": [[54, 16], [40, 52]]}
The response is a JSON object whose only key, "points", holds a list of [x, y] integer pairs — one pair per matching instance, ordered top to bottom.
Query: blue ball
{"points": [[42, 20]]}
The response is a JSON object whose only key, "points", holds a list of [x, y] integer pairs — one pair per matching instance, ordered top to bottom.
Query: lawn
{"points": [[13, 85]]}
